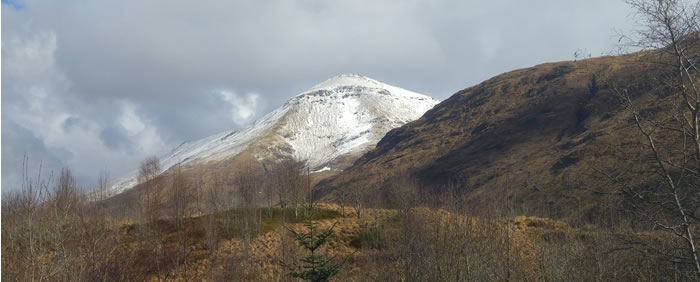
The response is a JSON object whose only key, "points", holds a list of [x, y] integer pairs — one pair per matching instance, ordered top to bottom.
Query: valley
{"points": [[585, 169]]}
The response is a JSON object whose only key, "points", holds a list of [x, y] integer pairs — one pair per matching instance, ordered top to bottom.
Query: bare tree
{"points": [[671, 137], [149, 169], [248, 179], [287, 182], [150, 188], [269, 189], [101, 190], [199, 193], [402, 193], [65, 194], [99, 194], [358, 195], [181, 197], [149, 199], [214, 204], [23, 225]]}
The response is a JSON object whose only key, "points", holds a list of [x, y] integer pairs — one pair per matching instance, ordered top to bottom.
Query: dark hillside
{"points": [[534, 136]]}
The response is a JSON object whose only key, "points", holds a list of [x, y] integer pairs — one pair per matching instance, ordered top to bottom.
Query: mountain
{"points": [[328, 126], [537, 138]]}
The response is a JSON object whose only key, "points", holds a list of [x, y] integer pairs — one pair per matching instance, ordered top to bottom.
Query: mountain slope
{"points": [[328, 126], [536, 138]]}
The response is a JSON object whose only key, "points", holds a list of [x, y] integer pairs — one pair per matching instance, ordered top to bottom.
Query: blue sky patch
{"points": [[13, 3]]}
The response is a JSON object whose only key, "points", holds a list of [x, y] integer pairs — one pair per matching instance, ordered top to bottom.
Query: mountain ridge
{"points": [[339, 117]]}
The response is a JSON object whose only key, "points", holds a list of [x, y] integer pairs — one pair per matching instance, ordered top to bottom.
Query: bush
{"points": [[368, 238]]}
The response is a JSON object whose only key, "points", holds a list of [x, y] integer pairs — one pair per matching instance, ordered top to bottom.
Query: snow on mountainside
{"points": [[346, 114]]}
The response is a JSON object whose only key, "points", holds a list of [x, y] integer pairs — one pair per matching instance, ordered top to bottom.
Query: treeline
{"points": [[52, 231], [428, 237]]}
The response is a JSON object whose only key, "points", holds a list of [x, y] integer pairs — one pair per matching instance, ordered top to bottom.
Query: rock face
{"points": [[328, 126]]}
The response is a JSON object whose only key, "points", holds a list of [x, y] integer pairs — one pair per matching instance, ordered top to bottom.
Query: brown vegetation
{"points": [[535, 135], [52, 233]]}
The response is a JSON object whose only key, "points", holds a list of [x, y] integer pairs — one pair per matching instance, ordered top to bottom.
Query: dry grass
{"points": [[535, 136], [407, 244]]}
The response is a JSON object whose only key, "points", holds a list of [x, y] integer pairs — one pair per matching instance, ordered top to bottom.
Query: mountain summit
{"points": [[328, 126]]}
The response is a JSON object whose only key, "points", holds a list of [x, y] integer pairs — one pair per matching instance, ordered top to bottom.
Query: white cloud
{"points": [[29, 58], [38, 105], [242, 108], [130, 121], [145, 136]]}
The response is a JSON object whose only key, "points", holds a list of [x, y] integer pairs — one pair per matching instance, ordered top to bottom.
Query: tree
{"points": [[670, 42], [149, 169], [248, 179], [287, 181], [102, 190], [269, 190], [402, 192], [65, 193], [100, 193], [149, 196], [181, 196], [358, 196], [180, 201], [214, 204], [150, 205], [314, 267]]}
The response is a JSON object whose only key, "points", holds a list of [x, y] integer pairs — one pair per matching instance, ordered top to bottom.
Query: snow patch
{"points": [[325, 168]]}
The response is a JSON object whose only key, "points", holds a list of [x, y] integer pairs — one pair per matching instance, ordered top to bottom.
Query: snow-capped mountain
{"points": [[344, 115]]}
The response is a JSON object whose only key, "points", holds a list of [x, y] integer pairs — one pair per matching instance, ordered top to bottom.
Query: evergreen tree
{"points": [[314, 267]]}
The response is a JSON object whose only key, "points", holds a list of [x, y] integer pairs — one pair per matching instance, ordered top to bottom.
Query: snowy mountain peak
{"points": [[346, 80], [347, 114], [327, 126]]}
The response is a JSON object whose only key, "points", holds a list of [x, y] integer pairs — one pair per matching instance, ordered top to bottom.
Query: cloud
{"points": [[30, 58], [110, 82], [242, 108], [45, 119], [138, 130], [115, 138], [25, 143]]}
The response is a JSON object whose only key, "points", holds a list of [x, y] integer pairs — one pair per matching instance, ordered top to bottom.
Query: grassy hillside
{"points": [[538, 137], [416, 244]]}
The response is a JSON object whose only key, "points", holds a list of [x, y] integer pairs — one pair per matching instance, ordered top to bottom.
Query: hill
{"points": [[536, 138]]}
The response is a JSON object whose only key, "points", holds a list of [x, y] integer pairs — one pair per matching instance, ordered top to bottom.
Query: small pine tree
{"points": [[314, 267]]}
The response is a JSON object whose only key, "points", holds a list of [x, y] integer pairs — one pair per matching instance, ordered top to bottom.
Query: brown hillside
{"points": [[536, 136]]}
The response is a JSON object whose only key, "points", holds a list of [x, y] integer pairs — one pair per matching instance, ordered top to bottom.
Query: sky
{"points": [[97, 86]]}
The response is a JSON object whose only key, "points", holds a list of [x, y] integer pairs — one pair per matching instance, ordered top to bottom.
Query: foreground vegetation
{"points": [[55, 233]]}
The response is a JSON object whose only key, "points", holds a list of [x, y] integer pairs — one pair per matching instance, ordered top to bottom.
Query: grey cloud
{"points": [[157, 68], [72, 122], [115, 138], [18, 142], [20, 147]]}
